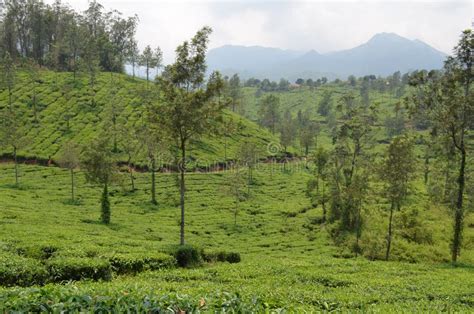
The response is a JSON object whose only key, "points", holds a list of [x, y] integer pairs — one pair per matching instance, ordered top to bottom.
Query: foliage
{"points": [[187, 256], [78, 268], [21, 271]]}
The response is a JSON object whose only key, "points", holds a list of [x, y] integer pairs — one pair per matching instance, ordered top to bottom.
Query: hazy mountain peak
{"points": [[382, 54]]}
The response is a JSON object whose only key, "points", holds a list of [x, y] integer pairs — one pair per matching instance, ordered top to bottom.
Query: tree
{"points": [[121, 35], [73, 40], [134, 56], [150, 60], [91, 65], [33, 74], [8, 77], [352, 80], [283, 85], [234, 91], [450, 103], [325, 104], [190, 106], [269, 112], [395, 125], [229, 127], [287, 130], [308, 131], [13, 135], [151, 139], [248, 155], [69, 158], [350, 163], [100, 168], [396, 172], [235, 188], [315, 188]]}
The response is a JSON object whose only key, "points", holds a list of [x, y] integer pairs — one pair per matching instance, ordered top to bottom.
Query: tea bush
{"points": [[187, 256], [135, 263], [78, 268], [21, 271]]}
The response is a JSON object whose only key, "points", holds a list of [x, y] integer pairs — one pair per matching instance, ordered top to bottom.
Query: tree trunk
{"points": [[10, 96], [35, 112], [225, 147], [16, 165], [427, 170], [249, 180], [132, 181], [153, 182], [72, 184], [182, 189], [323, 203], [105, 205], [235, 213], [459, 213], [389, 234]]}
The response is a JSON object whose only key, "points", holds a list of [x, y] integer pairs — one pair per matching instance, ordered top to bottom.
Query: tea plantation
{"points": [[56, 108], [56, 256]]}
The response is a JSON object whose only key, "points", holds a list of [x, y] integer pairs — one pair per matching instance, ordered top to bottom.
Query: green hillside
{"points": [[55, 109]]}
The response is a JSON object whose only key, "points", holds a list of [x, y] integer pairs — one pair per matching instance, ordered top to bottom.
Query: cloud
{"points": [[298, 25]]}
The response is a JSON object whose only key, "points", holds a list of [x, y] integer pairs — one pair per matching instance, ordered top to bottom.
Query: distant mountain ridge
{"points": [[383, 54]]}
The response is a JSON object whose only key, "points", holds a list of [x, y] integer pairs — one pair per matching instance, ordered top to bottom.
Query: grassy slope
{"points": [[46, 137], [288, 260]]}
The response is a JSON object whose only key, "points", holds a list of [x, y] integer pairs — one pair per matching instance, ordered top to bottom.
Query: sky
{"points": [[322, 25]]}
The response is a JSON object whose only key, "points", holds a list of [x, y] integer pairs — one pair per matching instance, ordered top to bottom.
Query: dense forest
{"points": [[231, 186]]}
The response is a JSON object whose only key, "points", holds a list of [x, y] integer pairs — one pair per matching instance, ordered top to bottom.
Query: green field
{"points": [[288, 259]]}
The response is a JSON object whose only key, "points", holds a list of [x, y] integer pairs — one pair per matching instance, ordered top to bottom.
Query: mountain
{"points": [[383, 54], [247, 61]]}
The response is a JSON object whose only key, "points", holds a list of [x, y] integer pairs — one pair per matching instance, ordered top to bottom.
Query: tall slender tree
{"points": [[150, 60], [190, 106], [269, 112], [70, 158], [100, 168], [398, 168]]}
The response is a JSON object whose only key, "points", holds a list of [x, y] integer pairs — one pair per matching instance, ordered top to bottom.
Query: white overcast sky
{"points": [[298, 25]]}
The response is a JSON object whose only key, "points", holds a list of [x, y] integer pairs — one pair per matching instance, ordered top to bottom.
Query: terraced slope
{"points": [[70, 110]]}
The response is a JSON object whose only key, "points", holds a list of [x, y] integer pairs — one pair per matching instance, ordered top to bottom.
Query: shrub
{"points": [[105, 207], [413, 228], [373, 244], [37, 251], [187, 256], [221, 256], [233, 257], [133, 263], [77, 268], [20, 271]]}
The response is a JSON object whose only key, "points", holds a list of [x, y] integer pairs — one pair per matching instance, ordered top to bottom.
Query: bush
{"points": [[37, 251], [187, 256], [221, 256], [233, 257], [133, 263], [77, 268], [20, 271]]}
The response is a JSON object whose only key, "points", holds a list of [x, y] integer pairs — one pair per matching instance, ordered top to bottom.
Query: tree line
{"points": [[345, 175]]}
